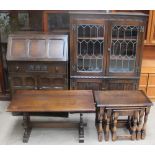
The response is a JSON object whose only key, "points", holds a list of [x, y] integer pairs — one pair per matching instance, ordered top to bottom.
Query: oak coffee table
{"points": [[72, 101], [110, 105]]}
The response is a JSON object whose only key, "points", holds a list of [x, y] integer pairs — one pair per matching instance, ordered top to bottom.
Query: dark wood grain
{"points": [[121, 98], [52, 101]]}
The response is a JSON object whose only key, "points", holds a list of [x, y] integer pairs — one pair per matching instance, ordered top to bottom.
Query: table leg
{"points": [[147, 110], [141, 114], [96, 117], [135, 119], [129, 122], [107, 124], [100, 125], [27, 127], [114, 128], [81, 129]]}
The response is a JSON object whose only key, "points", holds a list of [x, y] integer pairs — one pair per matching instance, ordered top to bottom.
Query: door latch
{"points": [[73, 27], [142, 29], [109, 50], [73, 67]]}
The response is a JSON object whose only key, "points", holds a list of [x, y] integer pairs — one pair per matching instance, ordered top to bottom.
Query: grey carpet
{"points": [[11, 131]]}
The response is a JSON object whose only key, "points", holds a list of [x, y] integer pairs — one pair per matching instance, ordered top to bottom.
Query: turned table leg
{"points": [[147, 110], [141, 114], [96, 116], [135, 119], [129, 123], [107, 124], [100, 125], [27, 127], [114, 128], [81, 129]]}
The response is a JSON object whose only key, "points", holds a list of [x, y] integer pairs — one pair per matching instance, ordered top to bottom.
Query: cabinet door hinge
{"points": [[73, 27], [141, 28], [109, 50], [73, 67], [138, 70], [73, 84]]}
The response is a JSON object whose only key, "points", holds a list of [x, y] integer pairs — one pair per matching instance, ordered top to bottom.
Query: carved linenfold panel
{"points": [[38, 75], [23, 80], [17, 81], [29, 81], [44, 81], [51, 81], [58, 81], [39, 82], [86, 84], [103, 84], [122, 84]]}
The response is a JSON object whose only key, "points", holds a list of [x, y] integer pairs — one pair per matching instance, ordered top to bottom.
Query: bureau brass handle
{"points": [[17, 68], [56, 69], [55, 87], [58, 87]]}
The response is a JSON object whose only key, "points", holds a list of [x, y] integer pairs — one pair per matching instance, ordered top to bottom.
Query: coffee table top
{"points": [[120, 98], [52, 101]]}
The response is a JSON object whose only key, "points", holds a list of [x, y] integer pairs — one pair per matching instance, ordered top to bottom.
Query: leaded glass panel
{"points": [[90, 40], [123, 48]]}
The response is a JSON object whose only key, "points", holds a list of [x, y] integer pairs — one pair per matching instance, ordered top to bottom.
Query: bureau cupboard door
{"points": [[88, 40], [125, 48], [23, 82], [52, 82]]}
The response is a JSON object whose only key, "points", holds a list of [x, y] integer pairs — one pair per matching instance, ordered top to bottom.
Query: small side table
{"points": [[112, 104]]}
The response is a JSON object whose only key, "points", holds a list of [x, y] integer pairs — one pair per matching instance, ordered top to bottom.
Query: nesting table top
{"points": [[121, 98]]}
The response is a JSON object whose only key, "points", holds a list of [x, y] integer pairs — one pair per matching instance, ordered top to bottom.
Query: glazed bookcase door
{"points": [[89, 47], [124, 52]]}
